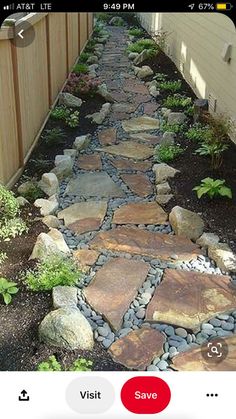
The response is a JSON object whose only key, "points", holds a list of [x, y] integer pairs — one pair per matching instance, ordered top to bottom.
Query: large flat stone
{"points": [[134, 87], [141, 123], [107, 136], [146, 138], [129, 149], [89, 162], [122, 164], [138, 183], [98, 185], [140, 213], [84, 216], [146, 243], [85, 258], [106, 292], [188, 299], [137, 349], [194, 361]]}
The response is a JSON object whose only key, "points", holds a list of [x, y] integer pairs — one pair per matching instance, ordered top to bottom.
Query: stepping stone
{"points": [[131, 86], [120, 96], [141, 99], [123, 107], [150, 108], [118, 116], [141, 123], [107, 136], [147, 138], [129, 149], [90, 162], [122, 164], [138, 183], [99, 185], [140, 213], [84, 216], [146, 243], [85, 258], [106, 293], [187, 299], [137, 349], [193, 360]]}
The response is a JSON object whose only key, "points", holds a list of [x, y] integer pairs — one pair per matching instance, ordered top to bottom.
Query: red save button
{"points": [[144, 395]]}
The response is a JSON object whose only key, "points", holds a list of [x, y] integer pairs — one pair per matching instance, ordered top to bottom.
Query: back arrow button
{"points": [[20, 34]]}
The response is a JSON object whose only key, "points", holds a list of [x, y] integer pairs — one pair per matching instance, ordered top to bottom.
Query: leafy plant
{"points": [[104, 17], [119, 21], [137, 32], [160, 37], [143, 44], [84, 56], [80, 68], [160, 77], [82, 85], [170, 86], [177, 101], [189, 111], [68, 115], [176, 128], [198, 132], [53, 136], [214, 150], [166, 153], [213, 188], [34, 192], [10, 223], [12, 228], [3, 257], [52, 271], [7, 289], [51, 364]]}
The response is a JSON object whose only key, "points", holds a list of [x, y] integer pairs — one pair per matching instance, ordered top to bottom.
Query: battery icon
{"points": [[224, 6]]}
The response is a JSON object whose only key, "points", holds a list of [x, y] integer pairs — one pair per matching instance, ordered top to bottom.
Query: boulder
{"points": [[133, 55], [144, 55], [93, 59], [143, 72], [153, 91], [103, 92], [69, 100], [99, 117], [176, 118], [168, 138], [82, 142], [70, 152], [61, 158], [63, 170], [163, 172], [49, 184], [163, 188], [163, 199], [22, 201], [47, 206], [51, 221], [186, 223], [208, 239], [59, 240], [47, 245], [223, 256], [64, 296], [66, 328]]}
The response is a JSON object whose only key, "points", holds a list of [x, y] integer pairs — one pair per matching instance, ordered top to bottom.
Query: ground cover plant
{"points": [[136, 32], [144, 44], [82, 85], [177, 102], [67, 115], [54, 135], [166, 153], [11, 224], [51, 364]]}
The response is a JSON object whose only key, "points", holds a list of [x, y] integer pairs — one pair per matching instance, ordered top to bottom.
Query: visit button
{"points": [[145, 395]]}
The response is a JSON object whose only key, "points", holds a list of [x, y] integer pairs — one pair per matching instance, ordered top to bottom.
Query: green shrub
{"points": [[104, 17], [137, 32], [143, 44], [84, 56], [80, 68], [160, 77], [170, 86], [177, 101], [189, 111], [68, 115], [176, 128], [198, 132], [53, 136], [165, 153], [213, 188], [34, 192], [10, 223], [52, 271], [7, 289], [51, 364]]}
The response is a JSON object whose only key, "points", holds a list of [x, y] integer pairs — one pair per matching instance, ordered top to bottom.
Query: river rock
{"points": [[69, 100], [82, 142], [163, 172], [47, 206], [186, 223], [223, 257]]}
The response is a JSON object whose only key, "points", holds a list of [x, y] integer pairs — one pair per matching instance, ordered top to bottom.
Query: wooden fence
{"points": [[31, 79]]}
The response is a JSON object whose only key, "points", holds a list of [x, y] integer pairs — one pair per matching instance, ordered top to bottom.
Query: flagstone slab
{"points": [[134, 87], [120, 96], [141, 99], [123, 107], [150, 108], [141, 123], [107, 136], [147, 138], [129, 149], [90, 162], [122, 164], [138, 183], [99, 185], [140, 213], [84, 216], [146, 243], [85, 258], [114, 287], [187, 299], [137, 349], [194, 359]]}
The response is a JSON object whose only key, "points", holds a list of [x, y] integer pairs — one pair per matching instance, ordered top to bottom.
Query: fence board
{"points": [[83, 30], [73, 39]]}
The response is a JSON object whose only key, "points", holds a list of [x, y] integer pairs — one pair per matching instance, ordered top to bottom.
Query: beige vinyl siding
{"points": [[195, 43]]}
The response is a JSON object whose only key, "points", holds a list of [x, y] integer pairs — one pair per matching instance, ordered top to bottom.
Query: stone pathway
{"points": [[149, 295]]}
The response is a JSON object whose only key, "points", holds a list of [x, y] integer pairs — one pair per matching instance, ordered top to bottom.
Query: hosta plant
{"points": [[213, 188], [7, 290]]}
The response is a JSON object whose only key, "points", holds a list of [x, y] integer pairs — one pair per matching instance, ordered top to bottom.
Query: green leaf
{"points": [[202, 191], [225, 191], [13, 290], [7, 298]]}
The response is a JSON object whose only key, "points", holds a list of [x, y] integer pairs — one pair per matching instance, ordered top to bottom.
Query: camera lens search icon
{"points": [[215, 350]]}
